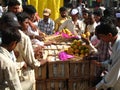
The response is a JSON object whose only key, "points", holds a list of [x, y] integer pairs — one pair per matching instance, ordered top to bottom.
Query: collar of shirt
{"points": [[48, 22], [77, 22], [5, 52]]}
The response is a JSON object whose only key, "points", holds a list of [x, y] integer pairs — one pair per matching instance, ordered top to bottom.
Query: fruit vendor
{"points": [[73, 24]]}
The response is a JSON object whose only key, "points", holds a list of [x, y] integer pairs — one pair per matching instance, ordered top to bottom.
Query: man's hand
{"points": [[32, 25], [40, 38], [86, 40], [43, 62], [96, 63], [24, 66]]}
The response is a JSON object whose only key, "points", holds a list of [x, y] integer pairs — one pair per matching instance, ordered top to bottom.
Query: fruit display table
{"points": [[72, 74]]}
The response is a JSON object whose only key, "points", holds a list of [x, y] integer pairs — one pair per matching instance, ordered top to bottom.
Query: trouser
{"points": [[27, 77], [27, 85]]}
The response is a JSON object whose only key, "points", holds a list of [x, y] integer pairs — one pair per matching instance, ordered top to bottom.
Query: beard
{"points": [[63, 16]]}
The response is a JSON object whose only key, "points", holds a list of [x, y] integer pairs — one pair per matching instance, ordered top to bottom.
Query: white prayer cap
{"points": [[74, 12], [117, 15]]}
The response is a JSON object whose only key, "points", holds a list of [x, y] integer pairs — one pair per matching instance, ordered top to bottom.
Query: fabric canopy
{"points": [[40, 5]]}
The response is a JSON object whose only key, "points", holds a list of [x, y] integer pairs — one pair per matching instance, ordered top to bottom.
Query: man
{"points": [[14, 6], [31, 11], [97, 15], [63, 17], [118, 20], [74, 24], [46, 25], [108, 32], [23, 50], [9, 79]]}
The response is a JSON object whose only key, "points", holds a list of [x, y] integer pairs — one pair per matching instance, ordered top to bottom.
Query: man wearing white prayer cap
{"points": [[74, 12], [73, 24]]}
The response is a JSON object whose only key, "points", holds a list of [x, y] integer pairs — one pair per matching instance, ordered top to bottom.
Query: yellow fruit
{"points": [[63, 31], [68, 32], [87, 34], [83, 35], [74, 42], [79, 43], [75, 47], [66, 50], [70, 51], [76, 51], [82, 51], [86, 51], [76, 54], [81, 55]]}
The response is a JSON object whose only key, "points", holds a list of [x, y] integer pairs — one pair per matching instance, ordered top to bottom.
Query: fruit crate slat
{"points": [[58, 69], [80, 69], [41, 72], [41, 84], [57, 84], [78, 84]]}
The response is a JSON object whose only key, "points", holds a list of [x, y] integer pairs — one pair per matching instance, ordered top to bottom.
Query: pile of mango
{"points": [[66, 31], [86, 34], [77, 48]]}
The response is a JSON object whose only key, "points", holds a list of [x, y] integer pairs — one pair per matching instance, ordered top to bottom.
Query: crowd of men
{"points": [[22, 32]]}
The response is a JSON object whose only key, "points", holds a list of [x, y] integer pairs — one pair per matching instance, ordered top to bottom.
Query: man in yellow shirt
{"points": [[63, 17]]}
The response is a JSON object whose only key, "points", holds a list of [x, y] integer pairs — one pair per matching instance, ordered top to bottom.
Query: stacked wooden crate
{"points": [[58, 71], [54, 74], [58, 74], [64, 75], [79, 75], [41, 76]]}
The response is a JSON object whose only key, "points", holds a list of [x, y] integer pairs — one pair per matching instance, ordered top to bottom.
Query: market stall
{"points": [[67, 69]]}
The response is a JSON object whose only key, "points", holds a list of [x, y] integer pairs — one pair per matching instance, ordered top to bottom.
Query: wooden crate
{"points": [[58, 69], [80, 69], [93, 71], [41, 72], [57, 84], [77, 84], [41, 85]]}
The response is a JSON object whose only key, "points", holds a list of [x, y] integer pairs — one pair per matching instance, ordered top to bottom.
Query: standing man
{"points": [[14, 6], [108, 32], [24, 52], [9, 79]]}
